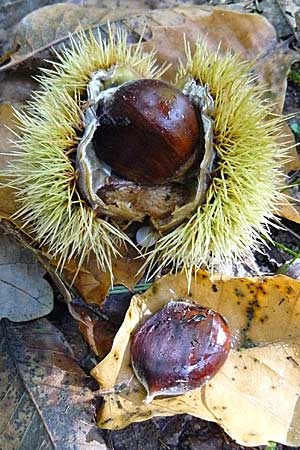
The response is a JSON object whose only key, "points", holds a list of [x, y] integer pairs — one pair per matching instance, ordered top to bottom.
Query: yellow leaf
{"points": [[254, 396]]}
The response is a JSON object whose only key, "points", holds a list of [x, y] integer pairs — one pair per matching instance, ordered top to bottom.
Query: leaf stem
{"points": [[140, 287]]}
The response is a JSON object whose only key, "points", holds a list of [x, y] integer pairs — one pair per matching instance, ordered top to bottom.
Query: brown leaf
{"points": [[48, 27], [250, 36], [273, 67], [16, 87], [7, 195], [291, 208], [127, 267], [92, 284], [262, 314], [97, 332], [45, 398], [20, 422]]}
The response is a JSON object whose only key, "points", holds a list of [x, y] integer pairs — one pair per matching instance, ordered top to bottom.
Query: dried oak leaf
{"points": [[255, 395]]}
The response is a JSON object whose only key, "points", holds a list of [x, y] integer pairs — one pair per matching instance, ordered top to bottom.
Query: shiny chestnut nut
{"points": [[148, 132], [179, 348]]}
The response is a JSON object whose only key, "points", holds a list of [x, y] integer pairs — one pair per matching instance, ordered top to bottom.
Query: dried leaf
{"points": [[289, 9], [273, 12], [11, 13], [47, 27], [16, 87], [7, 196], [291, 208], [290, 211], [127, 267], [92, 284], [25, 295], [97, 332], [254, 396], [45, 397], [20, 423]]}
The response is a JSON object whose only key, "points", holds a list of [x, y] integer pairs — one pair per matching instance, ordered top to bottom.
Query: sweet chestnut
{"points": [[148, 132], [179, 348]]}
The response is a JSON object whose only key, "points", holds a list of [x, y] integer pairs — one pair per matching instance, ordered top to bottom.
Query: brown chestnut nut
{"points": [[148, 132], [179, 348]]}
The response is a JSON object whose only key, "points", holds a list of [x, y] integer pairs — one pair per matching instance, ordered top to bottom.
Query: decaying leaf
{"points": [[25, 295], [254, 396], [45, 397], [15, 403]]}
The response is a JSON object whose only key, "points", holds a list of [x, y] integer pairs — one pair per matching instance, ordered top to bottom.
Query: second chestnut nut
{"points": [[149, 132], [179, 348]]}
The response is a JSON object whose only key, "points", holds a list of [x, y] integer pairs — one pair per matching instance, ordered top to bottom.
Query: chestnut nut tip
{"points": [[148, 132], [179, 348]]}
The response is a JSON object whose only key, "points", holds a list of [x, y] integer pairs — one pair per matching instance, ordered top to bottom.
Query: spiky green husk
{"points": [[43, 172], [246, 185]]}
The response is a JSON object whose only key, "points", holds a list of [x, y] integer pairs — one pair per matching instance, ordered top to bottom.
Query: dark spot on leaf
{"points": [[214, 288], [154, 290], [262, 290], [239, 293], [106, 421]]}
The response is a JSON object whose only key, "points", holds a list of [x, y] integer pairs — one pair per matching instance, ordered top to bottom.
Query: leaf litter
{"points": [[166, 37], [45, 396]]}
